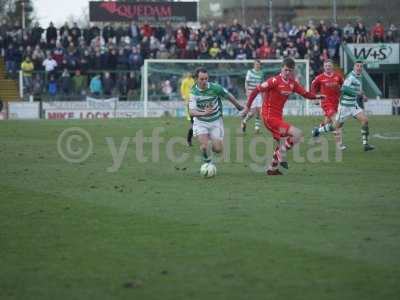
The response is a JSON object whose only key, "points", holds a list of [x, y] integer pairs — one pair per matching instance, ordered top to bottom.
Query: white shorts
{"points": [[257, 102], [345, 112], [214, 129]]}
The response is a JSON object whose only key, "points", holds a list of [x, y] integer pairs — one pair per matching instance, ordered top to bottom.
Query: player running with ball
{"points": [[328, 84], [276, 91], [351, 105], [205, 106]]}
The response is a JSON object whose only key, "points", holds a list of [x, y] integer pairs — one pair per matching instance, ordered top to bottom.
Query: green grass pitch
{"points": [[157, 230]]}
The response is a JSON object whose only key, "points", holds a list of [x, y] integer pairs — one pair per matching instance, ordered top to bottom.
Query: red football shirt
{"points": [[328, 85], [276, 92]]}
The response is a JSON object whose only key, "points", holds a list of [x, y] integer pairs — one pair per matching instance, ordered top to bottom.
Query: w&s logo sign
{"points": [[376, 53]]}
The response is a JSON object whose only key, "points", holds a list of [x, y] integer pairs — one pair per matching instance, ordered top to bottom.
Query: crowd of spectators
{"points": [[62, 54]]}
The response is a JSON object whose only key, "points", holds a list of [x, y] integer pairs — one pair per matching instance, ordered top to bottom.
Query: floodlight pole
{"points": [[334, 11], [243, 12], [23, 13], [270, 13]]}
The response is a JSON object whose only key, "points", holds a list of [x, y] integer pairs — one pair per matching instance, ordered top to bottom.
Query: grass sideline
{"points": [[157, 230]]}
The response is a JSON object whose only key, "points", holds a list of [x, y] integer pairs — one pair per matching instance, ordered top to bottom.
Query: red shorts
{"points": [[329, 108], [277, 126]]}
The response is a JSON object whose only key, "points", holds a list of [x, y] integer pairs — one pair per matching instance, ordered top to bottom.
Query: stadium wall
{"points": [[66, 110]]}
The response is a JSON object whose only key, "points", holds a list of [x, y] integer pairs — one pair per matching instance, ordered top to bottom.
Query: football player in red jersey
{"points": [[329, 84], [276, 91]]}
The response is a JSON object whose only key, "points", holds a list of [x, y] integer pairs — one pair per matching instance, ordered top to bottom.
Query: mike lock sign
{"points": [[151, 12], [376, 53]]}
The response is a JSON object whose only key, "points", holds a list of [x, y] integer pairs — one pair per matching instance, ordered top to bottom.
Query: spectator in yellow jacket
{"points": [[27, 70]]}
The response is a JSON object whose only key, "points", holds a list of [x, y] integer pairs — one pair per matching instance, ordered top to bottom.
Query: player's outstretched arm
{"points": [[315, 85], [298, 89], [252, 96], [232, 99]]}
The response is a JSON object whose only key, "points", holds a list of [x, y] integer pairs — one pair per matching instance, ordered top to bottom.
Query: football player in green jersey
{"points": [[253, 77], [351, 105], [205, 106]]}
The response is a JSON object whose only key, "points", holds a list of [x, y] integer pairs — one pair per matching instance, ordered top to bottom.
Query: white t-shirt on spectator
{"points": [[49, 65]]}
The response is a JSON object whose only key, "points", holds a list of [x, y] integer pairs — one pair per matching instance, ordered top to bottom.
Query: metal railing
{"points": [[71, 86]]}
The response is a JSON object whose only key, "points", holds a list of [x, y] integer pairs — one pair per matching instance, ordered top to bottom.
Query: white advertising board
{"points": [[376, 53], [379, 107], [23, 110], [108, 110]]}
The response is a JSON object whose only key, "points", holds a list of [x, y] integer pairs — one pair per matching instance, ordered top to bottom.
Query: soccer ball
{"points": [[208, 170]]}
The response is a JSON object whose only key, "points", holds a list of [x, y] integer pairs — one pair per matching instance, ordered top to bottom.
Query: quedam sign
{"points": [[152, 12]]}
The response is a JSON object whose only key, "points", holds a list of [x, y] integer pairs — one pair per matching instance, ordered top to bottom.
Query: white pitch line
{"points": [[383, 137]]}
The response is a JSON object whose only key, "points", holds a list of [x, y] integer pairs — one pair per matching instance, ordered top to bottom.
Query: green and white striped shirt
{"points": [[253, 78], [351, 88], [209, 97]]}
